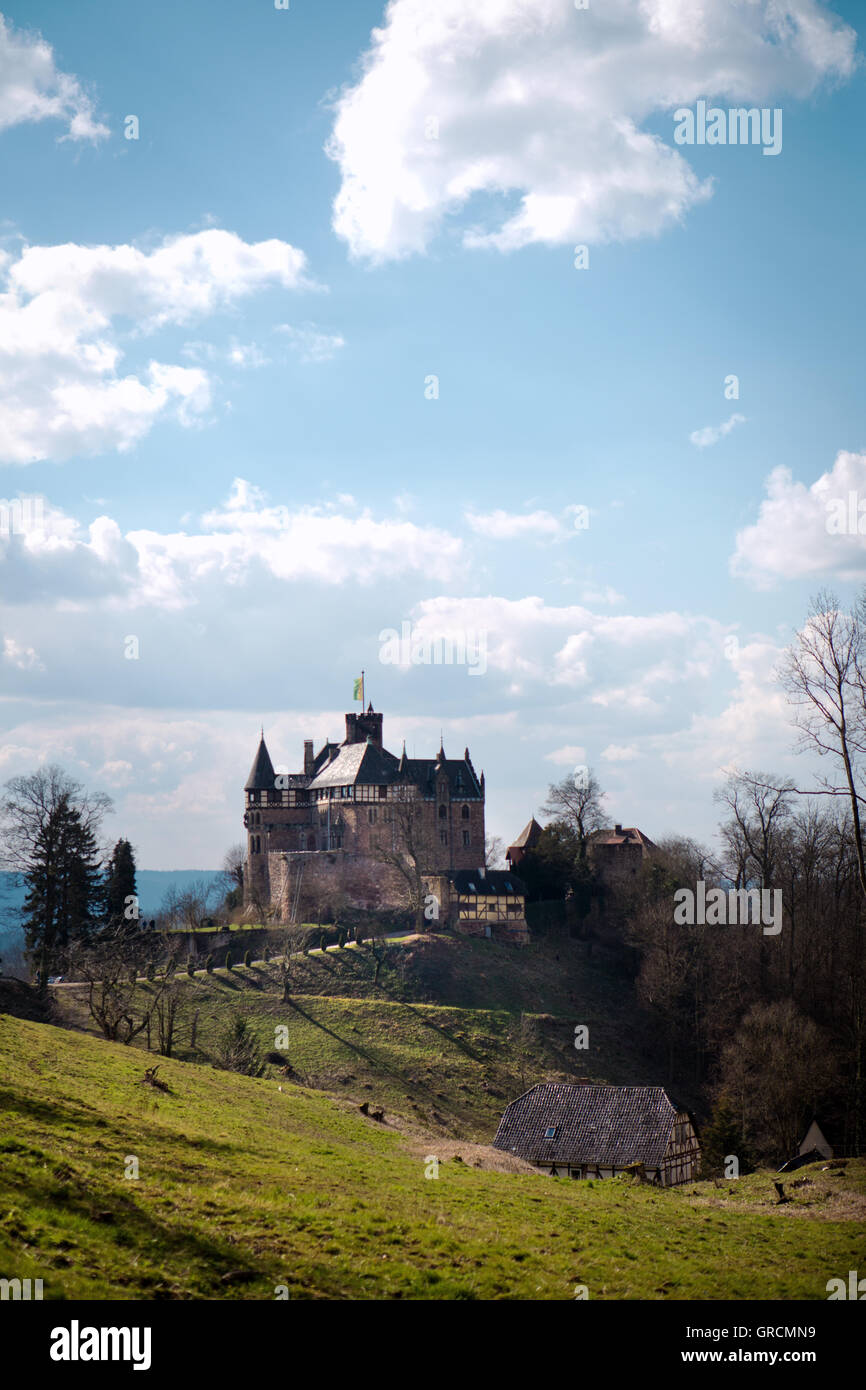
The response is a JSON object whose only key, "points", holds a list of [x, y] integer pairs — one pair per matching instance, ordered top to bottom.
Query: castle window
{"points": [[383, 792], [442, 812], [465, 813], [372, 814], [443, 836], [466, 839], [311, 842]]}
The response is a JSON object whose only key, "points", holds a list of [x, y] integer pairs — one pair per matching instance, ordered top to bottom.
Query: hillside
{"points": [[453, 1065], [243, 1188]]}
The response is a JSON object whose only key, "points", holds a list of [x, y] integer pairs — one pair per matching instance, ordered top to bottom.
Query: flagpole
{"points": [[362, 692]]}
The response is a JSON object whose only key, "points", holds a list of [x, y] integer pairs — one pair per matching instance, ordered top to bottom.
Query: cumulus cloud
{"points": [[33, 89], [541, 108], [63, 309], [711, 434], [803, 531], [245, 538], [627, 662]]}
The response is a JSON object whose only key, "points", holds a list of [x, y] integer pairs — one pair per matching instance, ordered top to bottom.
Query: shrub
{"points": [[266, 954], [248, 958], [228, 960], [208, 965], [190, 966], [238, 1049]]}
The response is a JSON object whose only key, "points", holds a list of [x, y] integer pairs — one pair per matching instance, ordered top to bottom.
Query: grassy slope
{"points": [[453, 1065], [243, 1188]]}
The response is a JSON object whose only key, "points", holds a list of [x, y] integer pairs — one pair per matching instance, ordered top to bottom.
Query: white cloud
{"points": [[32, 88], [536, 103], [61, 316], [310, 343], [711, 434], [510, 526], [803, 531], [233, 545], [24, 658], [619, 753], [571, 755]]}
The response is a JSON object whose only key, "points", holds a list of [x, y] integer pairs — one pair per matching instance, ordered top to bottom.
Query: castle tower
{"points": [[361, 727], [258, 788]]}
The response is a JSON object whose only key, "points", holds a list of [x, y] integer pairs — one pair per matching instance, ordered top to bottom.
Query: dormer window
{"points": [[550, 1132]]}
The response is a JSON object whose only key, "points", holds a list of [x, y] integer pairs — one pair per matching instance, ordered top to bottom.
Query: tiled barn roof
{"points": [[611, 1126]]}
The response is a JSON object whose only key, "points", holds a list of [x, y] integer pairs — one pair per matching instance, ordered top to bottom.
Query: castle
{"points": [[361, 826]]}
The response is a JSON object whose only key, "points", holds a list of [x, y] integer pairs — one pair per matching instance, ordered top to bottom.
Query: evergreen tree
{"points": [[120, 885], [64, 899]]}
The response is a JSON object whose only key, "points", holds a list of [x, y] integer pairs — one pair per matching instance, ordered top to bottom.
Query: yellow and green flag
{"points": [[359, 689]]}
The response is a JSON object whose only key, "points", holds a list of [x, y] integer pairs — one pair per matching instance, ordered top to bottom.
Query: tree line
{"points": [[770, 1031]]}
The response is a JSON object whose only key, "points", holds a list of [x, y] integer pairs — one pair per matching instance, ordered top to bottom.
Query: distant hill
{"points": [[152, 884]]}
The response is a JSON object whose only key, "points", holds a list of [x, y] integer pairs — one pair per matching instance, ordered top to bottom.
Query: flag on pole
{"points": [[359, 689]]}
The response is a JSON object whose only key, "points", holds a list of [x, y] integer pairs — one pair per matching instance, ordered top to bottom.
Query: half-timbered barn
{"points": [[598, 1131]]}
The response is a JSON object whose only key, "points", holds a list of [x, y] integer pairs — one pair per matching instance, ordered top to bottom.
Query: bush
{"points": [[266, 954], [248, 959], [228, 960], [208, 965], [190, 966], [238, 1049]]}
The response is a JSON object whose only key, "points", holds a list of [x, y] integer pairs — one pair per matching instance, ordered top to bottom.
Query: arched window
{"points": [[443, 812], [465, 813], [311, 842]]}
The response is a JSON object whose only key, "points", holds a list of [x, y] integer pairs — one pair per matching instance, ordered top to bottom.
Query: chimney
{"points": [[308, 757], [617, 829]]}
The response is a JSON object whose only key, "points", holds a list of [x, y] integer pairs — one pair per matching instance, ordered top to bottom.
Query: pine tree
{"points": [[120, 885], [64, 899]]}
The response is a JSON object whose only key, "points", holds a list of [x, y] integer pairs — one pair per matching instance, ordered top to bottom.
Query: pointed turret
{"points": [[403, 760], [262, 776]]}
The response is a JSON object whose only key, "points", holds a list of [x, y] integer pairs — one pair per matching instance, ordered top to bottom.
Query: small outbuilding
{"points": [[591, 1131]]}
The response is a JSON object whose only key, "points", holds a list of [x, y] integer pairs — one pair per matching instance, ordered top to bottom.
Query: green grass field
{"points": [[453, 1065], [243, 1188]]}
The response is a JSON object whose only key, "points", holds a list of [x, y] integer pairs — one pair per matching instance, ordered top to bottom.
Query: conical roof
{"points": [[262, 775]]}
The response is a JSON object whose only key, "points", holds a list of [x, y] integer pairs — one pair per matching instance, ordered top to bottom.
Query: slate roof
{"points": [[357, 762], [262, 775], [462, 781], [493, 882], [611, 1126]]}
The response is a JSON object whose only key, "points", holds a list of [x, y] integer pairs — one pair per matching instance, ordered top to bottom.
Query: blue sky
{"points": [[558, 388]]}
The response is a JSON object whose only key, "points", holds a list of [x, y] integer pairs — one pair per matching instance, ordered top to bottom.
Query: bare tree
{"points": [[824, 677], [577, 801], [759, 805], [406, 844], [494, 852], [234, 861], [190, 908], [293, 939], [118, 1001], [777, 1068]]}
